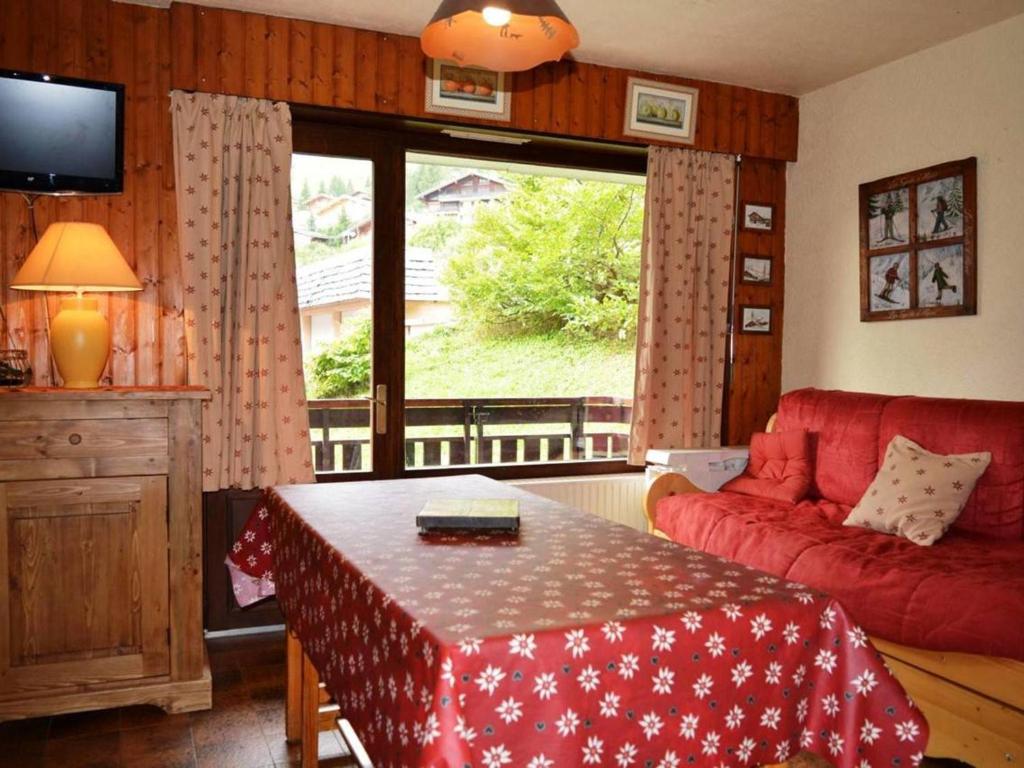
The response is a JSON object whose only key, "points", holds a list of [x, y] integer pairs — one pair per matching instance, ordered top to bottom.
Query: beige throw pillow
{"points": [[918, 494]]}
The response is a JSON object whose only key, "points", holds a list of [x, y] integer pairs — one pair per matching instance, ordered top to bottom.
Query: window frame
{"points": [[386, 141]]}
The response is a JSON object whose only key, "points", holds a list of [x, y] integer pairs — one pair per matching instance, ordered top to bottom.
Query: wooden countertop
{"points": [[107, 393]]}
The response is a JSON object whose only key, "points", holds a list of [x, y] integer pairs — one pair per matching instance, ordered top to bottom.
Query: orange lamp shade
{"points": [[501, 35], [74, 256]]}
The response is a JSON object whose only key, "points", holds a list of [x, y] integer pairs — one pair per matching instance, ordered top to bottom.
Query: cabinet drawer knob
{"points": [[74, 438]]}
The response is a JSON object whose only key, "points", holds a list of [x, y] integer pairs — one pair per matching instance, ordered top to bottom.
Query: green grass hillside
{"points": [[454, 363]]}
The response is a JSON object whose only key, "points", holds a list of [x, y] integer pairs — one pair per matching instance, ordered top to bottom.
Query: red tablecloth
{"points": [[580, 642]]}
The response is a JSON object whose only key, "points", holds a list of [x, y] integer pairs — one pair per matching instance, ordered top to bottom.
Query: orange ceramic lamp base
{"points": [[77, 256], [80, 341]]}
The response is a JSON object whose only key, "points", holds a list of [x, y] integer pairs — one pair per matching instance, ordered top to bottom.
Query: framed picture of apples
{"points": [[467, 91], [660, 111]]}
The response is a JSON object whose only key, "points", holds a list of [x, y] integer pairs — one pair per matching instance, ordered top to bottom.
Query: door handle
{"points": [[380, 409]]}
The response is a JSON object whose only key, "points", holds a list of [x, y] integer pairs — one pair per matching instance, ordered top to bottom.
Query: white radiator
{"points": [[618, 498]]}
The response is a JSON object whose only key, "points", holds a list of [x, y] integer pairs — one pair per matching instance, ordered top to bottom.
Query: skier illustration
{"points": [[893, 205], [941, 206], [892, 279], [941, 280]]}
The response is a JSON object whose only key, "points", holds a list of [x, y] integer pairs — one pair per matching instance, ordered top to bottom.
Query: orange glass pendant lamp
{"points": [[501, 35], [77, 257]]}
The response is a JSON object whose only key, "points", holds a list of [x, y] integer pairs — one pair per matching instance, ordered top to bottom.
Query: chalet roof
{"points": [[459, 177], [316, 198], [322, 202], [347, 277]]}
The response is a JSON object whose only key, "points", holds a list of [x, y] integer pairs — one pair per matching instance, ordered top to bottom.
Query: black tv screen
{"points": [[60, 135]]}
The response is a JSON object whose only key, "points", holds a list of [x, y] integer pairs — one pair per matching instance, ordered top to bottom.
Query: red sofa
{"points": [[965, 593], [948, 618]]}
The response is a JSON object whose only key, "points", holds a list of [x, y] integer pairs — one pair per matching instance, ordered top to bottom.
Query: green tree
{"points": [[420, 178], [339, 186], [306, 192], [956, 200], [340, 227], [437, 235], [555, 255], [342, 368]]}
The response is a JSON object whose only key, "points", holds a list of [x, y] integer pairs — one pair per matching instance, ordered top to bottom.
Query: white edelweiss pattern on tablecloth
{"points": [[579, 643]]}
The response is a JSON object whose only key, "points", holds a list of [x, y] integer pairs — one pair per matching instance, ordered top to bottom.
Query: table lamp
{"points": [[78, 257]]}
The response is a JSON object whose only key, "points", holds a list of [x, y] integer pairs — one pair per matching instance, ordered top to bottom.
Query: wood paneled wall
{"points": [[130, 44], [153, 50], [305, 62], [756, 379]]}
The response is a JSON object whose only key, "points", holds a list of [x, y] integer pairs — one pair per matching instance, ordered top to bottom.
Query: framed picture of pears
{"points": [[660, 111]]}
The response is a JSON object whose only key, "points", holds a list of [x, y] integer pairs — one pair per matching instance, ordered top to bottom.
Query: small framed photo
{"points": [[467, 92], [660, 111], [759, 217], [918, 243], [756, 270], [755, 319]]}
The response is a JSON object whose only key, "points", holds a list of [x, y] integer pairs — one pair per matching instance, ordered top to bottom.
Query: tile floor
{"points": [[245, 728]]}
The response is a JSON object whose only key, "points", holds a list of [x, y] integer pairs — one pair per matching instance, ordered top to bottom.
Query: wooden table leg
{"points": [[293, 698], [310, 709], [355, 746]]}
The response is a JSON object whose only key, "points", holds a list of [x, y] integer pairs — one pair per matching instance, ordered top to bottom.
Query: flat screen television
{"points": [[60, 135]]}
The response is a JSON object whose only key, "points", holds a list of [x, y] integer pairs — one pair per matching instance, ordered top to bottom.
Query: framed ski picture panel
{"points": [[918, 243]]}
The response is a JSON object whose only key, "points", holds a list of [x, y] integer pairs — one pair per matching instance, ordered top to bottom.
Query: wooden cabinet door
{"points": [[83, 596]]}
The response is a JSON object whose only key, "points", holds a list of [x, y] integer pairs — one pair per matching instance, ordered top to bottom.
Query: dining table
{"points": [[575, 641]]}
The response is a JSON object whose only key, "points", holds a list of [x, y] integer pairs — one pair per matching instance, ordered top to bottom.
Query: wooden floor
{"points": [[245, 728]]}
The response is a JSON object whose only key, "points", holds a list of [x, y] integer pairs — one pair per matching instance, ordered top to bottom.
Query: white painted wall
{"points": [[962, 98]]}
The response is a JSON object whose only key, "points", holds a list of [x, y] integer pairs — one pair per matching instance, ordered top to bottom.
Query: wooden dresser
{"points": [[101, 550]]}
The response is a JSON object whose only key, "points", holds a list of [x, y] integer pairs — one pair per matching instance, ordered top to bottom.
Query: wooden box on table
{"points": [[101, 550]]}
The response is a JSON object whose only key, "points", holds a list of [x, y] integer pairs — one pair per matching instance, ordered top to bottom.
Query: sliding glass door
{"points": [[343, 208], [333, 221], [466, 306], [521, 308]]}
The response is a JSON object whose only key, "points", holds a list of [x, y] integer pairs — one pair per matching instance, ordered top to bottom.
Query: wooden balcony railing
{"points": [[476, 431]]}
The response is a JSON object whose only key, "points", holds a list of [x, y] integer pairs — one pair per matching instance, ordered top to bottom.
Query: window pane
{"points": [[332, 215], [521, 309]]}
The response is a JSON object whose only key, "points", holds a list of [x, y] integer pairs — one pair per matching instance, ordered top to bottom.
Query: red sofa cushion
{"points": [[844, 438], [779, 467], [996, 508], [965, 594]]}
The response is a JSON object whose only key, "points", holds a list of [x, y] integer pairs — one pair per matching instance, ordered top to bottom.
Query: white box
{"points": [[707, 468]]}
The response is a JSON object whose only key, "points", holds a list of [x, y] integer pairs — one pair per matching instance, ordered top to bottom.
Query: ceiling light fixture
{"points": [[497, 17], [501, 35]]}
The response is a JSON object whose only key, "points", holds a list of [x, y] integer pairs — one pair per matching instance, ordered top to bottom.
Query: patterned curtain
{"points": [[232, 160], [684, 301]]}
